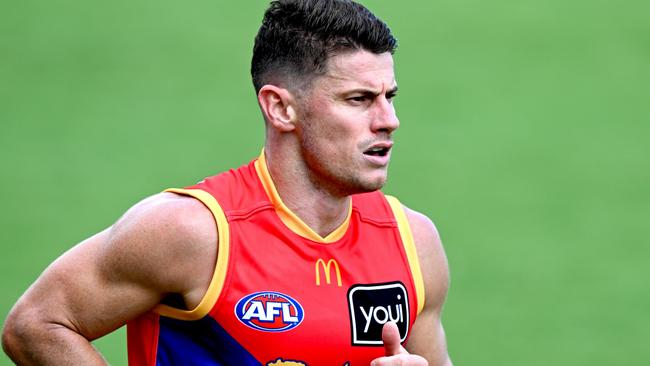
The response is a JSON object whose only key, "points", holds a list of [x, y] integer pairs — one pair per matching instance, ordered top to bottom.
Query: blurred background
{"points": [[525, 136]]}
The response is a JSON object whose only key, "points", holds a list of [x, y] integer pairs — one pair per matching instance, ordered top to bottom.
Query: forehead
{"points": [[359, 69]]}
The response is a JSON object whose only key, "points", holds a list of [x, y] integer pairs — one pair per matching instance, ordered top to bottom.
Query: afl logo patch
{"points": [[269, 311]]}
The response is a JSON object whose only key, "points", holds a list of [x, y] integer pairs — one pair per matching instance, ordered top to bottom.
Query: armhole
{"points": [[409, 248], [223, 252]]}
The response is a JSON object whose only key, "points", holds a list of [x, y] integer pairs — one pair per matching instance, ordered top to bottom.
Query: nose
{"points": [[385, 119]]}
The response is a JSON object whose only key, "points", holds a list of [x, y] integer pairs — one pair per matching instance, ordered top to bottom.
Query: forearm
{"points": [[48, 344]]}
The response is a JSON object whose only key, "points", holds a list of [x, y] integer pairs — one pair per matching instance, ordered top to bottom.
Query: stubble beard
{"points": [[338, 179]]}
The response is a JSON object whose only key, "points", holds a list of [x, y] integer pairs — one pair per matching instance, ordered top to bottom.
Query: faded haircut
{"points": [[297, 37]]}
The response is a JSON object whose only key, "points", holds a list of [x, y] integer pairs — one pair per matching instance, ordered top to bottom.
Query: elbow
{"points": [[17, 332], [11, 336]]}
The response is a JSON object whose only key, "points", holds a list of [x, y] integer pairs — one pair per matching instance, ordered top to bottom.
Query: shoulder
{"points": [[166, 214], [425, 233], [163, 239], [431, 254]]}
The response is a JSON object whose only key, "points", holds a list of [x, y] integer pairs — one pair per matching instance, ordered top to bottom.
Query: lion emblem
{"points": [[281, 362]]}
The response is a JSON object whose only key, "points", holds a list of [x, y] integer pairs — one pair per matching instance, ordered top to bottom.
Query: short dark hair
{"points": [[297, 37]]}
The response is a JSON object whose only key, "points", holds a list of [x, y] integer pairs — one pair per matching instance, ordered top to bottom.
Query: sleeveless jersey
{"points": [[283, 295]]}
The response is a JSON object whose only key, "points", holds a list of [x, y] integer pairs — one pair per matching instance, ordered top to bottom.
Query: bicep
{"points": [[162, 246], [87, 291], [427, 336]]}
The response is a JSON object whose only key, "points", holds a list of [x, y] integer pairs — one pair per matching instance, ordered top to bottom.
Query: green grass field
{"points": [[525, 136]]}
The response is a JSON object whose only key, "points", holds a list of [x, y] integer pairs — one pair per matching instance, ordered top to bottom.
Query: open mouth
{"points": [[377, 151]]}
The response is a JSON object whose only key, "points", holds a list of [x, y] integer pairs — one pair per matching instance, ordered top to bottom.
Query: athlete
{"points": [[296, 258]]}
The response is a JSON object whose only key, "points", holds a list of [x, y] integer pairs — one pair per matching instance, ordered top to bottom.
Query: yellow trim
{"points": [[290, 219], [409, 247], [223, 252]]}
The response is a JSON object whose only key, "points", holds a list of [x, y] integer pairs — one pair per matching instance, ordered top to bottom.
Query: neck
{"points": [[321, 210]]}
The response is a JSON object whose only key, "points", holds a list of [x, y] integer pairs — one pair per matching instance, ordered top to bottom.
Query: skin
{"points": [[315, 147], [111, 278], [427, 339]]}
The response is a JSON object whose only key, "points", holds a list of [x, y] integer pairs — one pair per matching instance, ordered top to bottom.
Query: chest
{"points": [[288, 298]]}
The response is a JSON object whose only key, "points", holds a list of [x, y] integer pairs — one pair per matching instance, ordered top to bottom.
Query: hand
{"points": [[395, 353]]}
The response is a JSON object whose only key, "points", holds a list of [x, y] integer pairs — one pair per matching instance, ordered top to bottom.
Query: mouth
{"points": [[379, 149]]}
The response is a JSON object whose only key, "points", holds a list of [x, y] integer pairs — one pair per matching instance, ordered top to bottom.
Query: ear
{"points": [[278, 106]]}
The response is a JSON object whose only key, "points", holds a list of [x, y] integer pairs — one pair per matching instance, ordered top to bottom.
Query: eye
{"points": [[358, 98]]}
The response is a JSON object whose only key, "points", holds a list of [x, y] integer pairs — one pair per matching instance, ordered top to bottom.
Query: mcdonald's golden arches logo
{"points": [[327, 268]]}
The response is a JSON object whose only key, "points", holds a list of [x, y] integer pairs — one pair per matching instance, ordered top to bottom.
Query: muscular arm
{"points": [[164, 245], [427, 338], [426, 344]]}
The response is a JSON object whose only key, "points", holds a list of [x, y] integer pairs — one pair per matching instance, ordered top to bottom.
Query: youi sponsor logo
{"points": [[372, 306], [269, 311]]}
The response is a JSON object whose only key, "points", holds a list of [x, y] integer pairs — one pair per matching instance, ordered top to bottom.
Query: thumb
{"points": [[390, 336]]}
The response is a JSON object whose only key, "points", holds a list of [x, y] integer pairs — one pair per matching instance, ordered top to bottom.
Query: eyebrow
{"points": [[369, 91]]}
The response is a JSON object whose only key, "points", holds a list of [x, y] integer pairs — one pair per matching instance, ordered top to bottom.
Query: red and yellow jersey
{"points": [[283, 295]]}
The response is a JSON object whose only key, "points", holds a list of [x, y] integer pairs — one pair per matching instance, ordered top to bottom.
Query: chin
{"points": [[353, 182], [370, 185]]}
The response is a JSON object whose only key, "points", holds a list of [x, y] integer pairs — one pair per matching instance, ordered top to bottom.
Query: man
{"points": [[293, 259]]}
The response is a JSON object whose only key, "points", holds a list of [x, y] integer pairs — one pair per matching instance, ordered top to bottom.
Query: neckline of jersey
{"points": [[288, 217]]}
